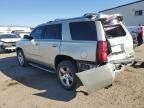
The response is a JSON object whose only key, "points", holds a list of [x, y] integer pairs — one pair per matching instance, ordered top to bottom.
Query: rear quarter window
{"points": [[85, 31], [114, 31]]}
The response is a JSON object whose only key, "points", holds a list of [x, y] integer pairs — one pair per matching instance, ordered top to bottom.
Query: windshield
{"points": [[114, 31], [8, 36]]}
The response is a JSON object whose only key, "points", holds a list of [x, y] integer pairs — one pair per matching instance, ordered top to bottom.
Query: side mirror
{"points": [[28, 37]]}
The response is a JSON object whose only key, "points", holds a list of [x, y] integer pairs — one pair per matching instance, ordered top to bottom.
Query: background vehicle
{"points": [[21, 33], [8, 42], [77, 44]]}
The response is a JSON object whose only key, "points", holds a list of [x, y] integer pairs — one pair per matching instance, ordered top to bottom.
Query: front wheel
{"points": [[21, 58], [66, 71]]}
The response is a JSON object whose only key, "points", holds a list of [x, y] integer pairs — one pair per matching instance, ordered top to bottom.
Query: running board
{"points": [[42, 68]]}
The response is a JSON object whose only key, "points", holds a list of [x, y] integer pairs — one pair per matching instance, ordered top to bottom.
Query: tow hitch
{"points": [[97, 78]]}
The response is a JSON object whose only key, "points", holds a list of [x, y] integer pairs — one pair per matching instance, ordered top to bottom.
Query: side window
{"points": [[139, 13], [53, 31], [83, 31], [37, 33]]}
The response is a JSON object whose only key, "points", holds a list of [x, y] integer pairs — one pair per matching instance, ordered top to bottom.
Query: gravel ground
{"points": [[32, 88]]}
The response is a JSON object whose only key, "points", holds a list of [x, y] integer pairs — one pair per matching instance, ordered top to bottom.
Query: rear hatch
{"points": [[120, 42]]}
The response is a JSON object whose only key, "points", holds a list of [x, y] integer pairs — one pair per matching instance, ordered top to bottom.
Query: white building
{"points": [[133, 12]]}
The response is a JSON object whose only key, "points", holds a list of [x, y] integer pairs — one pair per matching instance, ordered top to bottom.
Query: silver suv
{"points": [[69, 46]]}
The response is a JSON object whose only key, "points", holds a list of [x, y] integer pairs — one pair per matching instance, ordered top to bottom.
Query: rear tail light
{"points": [[102, 52]]}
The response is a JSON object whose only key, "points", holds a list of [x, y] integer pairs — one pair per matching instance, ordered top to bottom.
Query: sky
{"points": [[35, 12]]}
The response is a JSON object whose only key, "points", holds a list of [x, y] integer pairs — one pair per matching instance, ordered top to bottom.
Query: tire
{"points": [[21, 58], [66, 72]]}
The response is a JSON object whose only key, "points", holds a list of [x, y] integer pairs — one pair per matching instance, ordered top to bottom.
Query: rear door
{"points": [[120, 40]]}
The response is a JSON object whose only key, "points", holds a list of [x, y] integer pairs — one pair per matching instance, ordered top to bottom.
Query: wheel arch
{"points": [[18, 48], [60, 58]]}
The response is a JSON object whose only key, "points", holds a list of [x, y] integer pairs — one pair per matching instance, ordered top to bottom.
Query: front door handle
{"points": [[34, 43]]}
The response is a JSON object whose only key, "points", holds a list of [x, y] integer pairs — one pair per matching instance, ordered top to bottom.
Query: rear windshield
{"points": [[114, 31]]}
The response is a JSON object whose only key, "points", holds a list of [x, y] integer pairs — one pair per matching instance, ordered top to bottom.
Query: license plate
{"points": [[116, 48]]}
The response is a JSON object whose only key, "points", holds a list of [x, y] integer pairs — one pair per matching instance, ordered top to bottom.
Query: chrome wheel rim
{"points": [[20, 58], [66, 76]]}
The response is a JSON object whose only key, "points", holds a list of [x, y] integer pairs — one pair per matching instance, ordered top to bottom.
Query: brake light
{"points": [[102, 51]]}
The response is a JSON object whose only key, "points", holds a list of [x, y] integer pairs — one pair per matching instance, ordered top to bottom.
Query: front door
{"points": [[32, 46]]}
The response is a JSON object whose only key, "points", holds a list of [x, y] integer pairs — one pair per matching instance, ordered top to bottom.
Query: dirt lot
{"points": [[32, 88]]}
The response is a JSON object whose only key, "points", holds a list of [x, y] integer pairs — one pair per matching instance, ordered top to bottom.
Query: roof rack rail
{"points": [[90, 15], [94, 16], [58, 19], [49, 21]]}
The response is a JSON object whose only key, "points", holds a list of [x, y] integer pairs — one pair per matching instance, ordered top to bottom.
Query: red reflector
{"points": [[102, 51]]}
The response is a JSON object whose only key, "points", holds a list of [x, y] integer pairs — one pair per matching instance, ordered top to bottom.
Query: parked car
{"points": [[21, 33], [137, 33], [8, 42], [70, 46]]}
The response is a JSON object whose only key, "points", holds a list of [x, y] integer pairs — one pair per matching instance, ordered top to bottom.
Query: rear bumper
{"points": [[124, 61], [119, 64]]}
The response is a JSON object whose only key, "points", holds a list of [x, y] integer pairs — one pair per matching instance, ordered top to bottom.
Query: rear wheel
{"points": [[21, 58], [66, 71]]}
